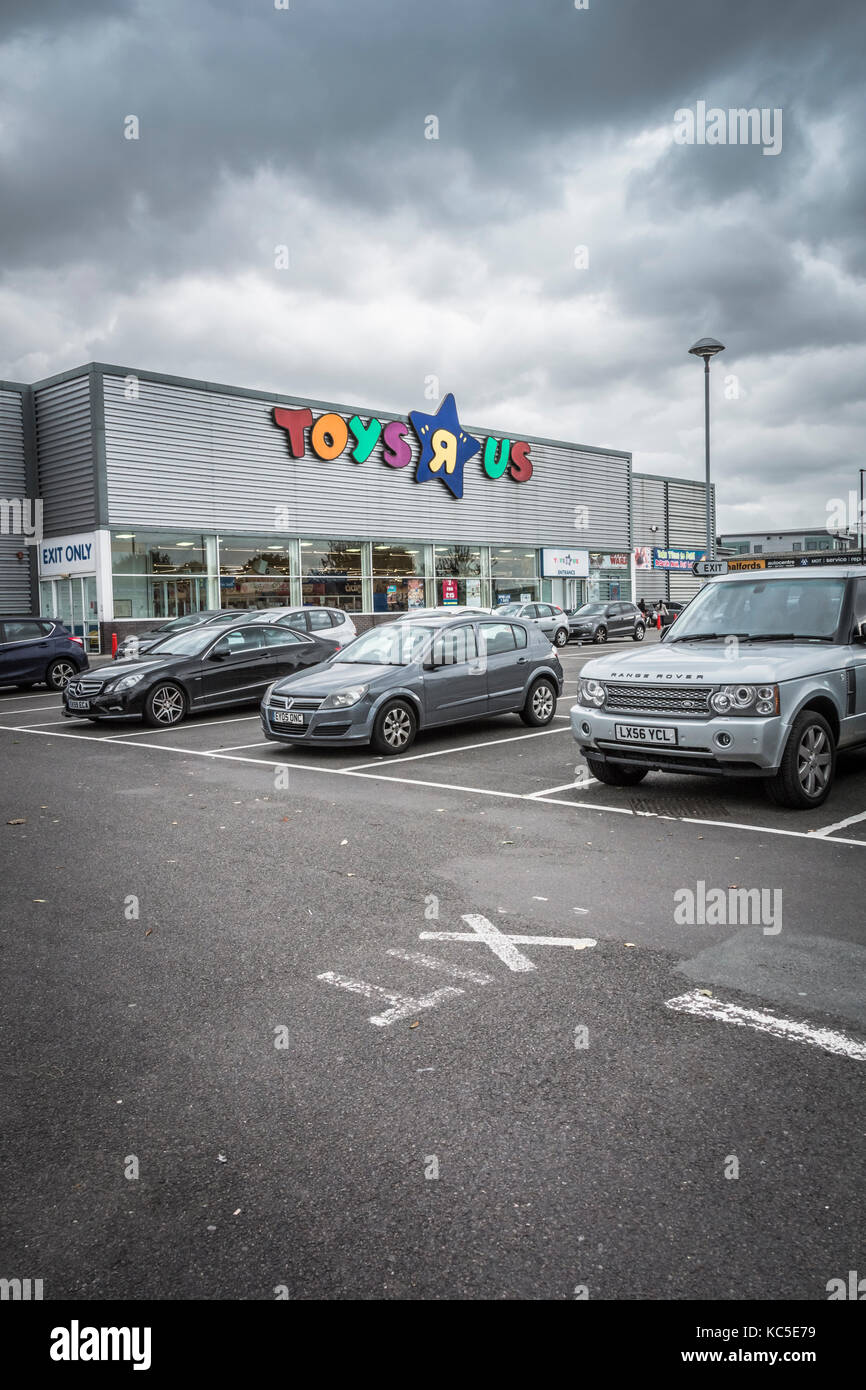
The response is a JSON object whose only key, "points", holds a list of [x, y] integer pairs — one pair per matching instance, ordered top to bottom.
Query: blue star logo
{"points": [[445, 447]]}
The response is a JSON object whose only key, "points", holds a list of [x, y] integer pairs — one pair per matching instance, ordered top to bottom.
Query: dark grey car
{"points": [[596, 622], [402, 677]]}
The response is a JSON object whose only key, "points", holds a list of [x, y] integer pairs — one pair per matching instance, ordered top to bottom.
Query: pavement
{"points": [[317, 1024]]}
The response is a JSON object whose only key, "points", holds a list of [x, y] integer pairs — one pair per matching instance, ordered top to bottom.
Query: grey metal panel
{"points": [[65, 452], [204, 459], [648, 496], [687, 511], [15, 575], [685, 586]]}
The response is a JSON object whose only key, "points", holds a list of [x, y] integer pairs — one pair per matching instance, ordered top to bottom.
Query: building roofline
{"points": [[278, 398]]}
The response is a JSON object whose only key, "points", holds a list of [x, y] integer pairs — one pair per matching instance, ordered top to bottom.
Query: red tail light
{"points": [[79, 640]]}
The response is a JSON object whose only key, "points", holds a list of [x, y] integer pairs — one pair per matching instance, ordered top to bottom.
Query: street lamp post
{"points": [[707, 348]]}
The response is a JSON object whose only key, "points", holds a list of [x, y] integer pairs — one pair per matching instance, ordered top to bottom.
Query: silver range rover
{"points": [[763, 675]]}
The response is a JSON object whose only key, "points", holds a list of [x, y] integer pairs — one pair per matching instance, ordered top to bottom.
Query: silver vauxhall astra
{"points": [[418, 674]]}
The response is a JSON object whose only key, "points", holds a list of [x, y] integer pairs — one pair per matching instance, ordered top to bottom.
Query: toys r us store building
{"points": [[162, 495]]}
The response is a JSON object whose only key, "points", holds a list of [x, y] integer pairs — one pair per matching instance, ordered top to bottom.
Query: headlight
{"points": [[126, 682], [590, 692], [266, 699], [341, 699], [745, 699]]}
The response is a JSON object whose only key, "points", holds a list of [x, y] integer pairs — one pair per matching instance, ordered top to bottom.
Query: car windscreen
{"points": [[793, 607], [512, 608], [586, 610], [179, 624], [393, 644]]}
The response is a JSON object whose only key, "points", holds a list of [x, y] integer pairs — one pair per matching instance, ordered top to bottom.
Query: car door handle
{"points": [[521, 660]]}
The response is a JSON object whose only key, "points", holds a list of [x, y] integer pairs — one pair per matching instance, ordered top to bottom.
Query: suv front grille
{"points": [[658, 699]]}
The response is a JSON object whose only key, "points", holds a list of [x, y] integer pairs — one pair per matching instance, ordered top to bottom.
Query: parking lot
{"points": [[421, 1026]]}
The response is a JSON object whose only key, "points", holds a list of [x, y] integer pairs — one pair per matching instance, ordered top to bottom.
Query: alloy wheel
{"points": [[61, 674], [542, 702], [167, 704], [397, 728], [813, 760]]}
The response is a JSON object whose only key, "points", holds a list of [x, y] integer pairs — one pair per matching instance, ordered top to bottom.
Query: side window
{"points": [[543, 610], [530, 611], [336, 617], [319, 618], [295, 620], [23, 631], [281, 636], [519, 636], [496, 637], [245, 639], [451, 648]]}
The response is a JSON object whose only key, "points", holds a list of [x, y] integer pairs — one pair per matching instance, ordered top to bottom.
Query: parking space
{"points": [[490, 757]]}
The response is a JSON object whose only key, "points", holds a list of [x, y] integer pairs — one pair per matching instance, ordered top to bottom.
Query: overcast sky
{"points": [[456, 257]]}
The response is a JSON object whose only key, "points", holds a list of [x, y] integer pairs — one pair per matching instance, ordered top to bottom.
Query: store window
{"points": [[256, 571], [158, 574], [331, 574], [514, 574], [458, 575], [398, 576]]}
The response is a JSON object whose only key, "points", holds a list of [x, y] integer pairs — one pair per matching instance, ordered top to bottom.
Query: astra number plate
{"points": [[78, 704], [286, 716], [644, 733]]}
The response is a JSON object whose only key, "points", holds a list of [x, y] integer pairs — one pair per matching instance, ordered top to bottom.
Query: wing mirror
{"points": [[860, 632], [220, 651]]}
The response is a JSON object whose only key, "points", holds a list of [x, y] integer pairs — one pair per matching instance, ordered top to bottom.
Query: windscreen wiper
{"points": [[708, 636], [787, 637]]}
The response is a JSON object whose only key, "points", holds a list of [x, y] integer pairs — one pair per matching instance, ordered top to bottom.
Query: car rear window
{"points": [[320, 618], [23, 631], [281, 636]]}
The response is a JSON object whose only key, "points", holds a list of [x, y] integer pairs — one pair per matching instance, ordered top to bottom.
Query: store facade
{"points": [[163, 496]]}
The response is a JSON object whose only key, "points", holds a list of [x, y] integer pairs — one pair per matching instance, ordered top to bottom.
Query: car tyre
{"points": [[600, 634], [638, 634], [560, 637], [59, 673], [165, 705], [540, 706], [395, 728], [808, 764], [615, 774]]}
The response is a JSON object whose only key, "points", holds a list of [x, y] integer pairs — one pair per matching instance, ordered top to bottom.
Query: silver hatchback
{"points": [[401, 677]]}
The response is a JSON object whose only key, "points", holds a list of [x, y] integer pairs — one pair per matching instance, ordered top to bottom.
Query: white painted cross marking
{"points": [[504, 944], [402, 1006]]}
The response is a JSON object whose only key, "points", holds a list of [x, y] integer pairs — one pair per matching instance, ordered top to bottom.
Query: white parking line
{"points": [[30, 709], [196, 724], [463, 748], [566, 786], [840, 824], [504, 944], [457, 972], [787, 1028]]}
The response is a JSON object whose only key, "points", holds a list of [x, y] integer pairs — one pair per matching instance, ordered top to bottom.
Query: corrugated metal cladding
{"points": [[64, 442], [192, 458], [676, 509], [15, 595]]}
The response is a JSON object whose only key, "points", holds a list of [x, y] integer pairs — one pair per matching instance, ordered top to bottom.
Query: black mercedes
{"points": [[200, 669]]}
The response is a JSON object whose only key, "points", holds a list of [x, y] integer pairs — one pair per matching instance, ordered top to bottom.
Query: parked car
{"points": [[674, 609], [552, 620], [596, 622], [331, 623], [137, 643], [37, 651], [199, 669], [764, 676], [401, 677]]}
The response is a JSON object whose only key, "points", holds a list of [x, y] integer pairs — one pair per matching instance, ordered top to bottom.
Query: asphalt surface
{"points": [[198, 928]]}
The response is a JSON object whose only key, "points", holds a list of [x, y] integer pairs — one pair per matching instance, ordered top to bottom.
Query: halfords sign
{"points": [[445, 446]]}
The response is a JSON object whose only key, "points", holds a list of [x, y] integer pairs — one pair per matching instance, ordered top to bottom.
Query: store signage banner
{"points": [[446, 448], [67, 555], [676, 559], [599, 560], [565, 564]]}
